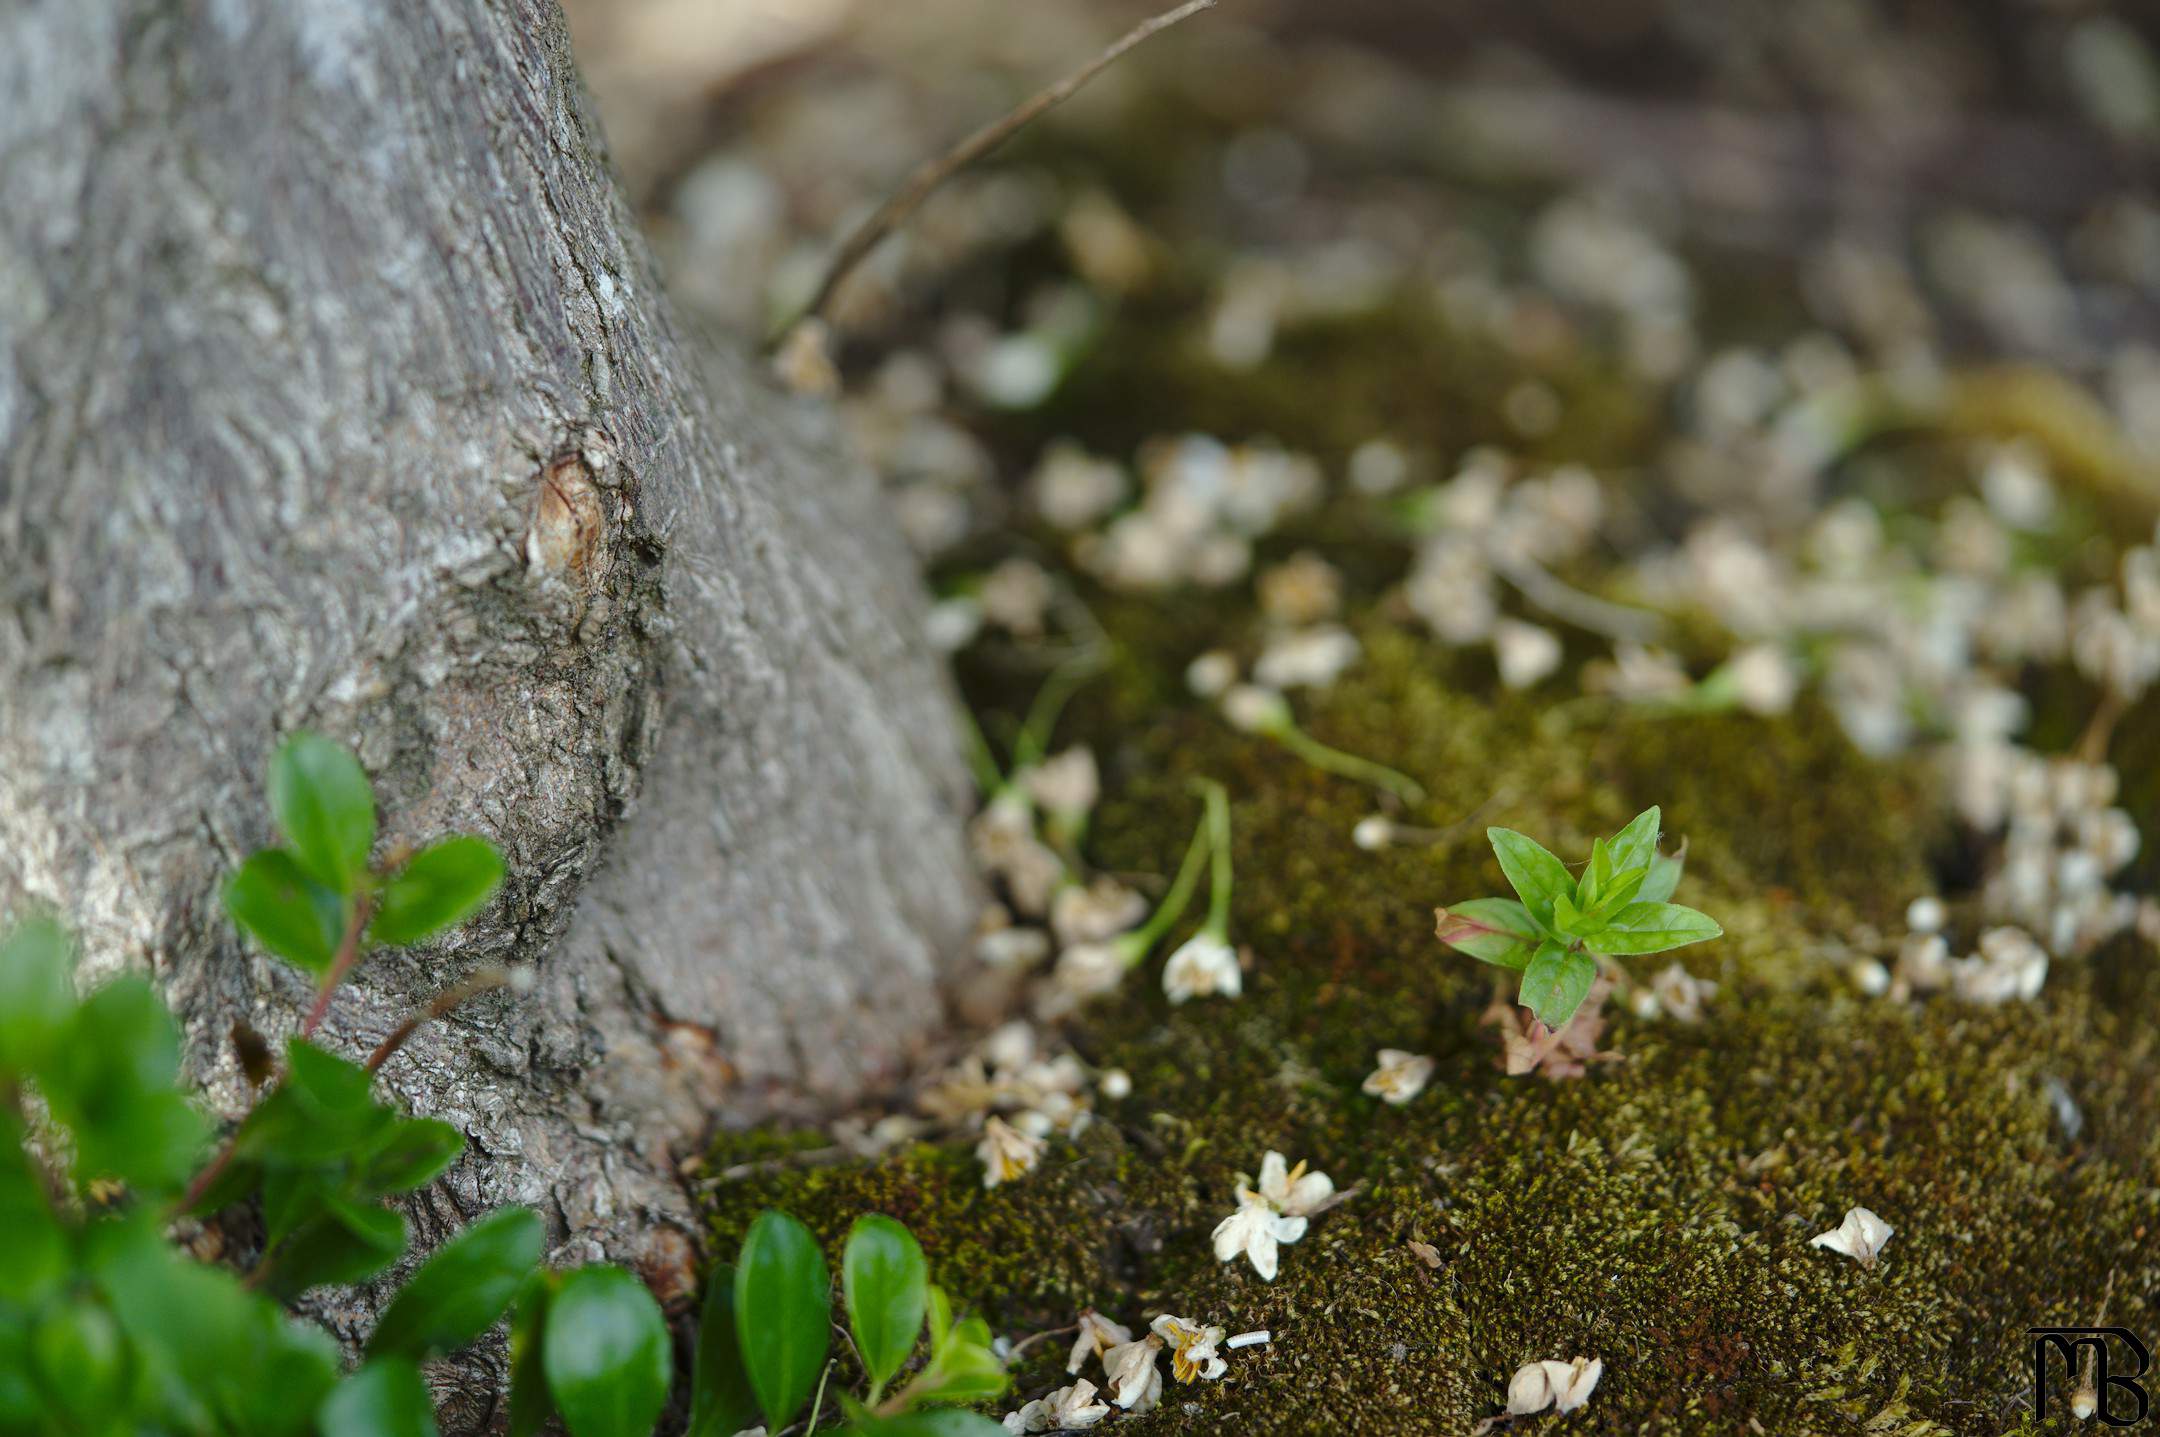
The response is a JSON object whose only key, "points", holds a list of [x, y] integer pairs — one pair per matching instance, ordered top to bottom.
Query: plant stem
{"points": [[1065, 680], [1349, 765], [1218, 830], [1143, 939], [348, 954], [817, 1403]]}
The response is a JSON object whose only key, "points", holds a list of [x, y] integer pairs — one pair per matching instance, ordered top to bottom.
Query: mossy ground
{"points": [[1655, 1213]]}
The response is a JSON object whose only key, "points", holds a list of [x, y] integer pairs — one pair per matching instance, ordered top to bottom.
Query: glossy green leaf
{"points": [[325, 807], [1635, 845], [1535, 874], [1663, 878], [443, 885], [1617, 892], [273, 900], [1567, 920], [1653, 928], [1492, 930], [1555, 983], [37, 992], [323, 1115], [410, 1154], [344, 1242], [884, 1278], [461, 1290], [783, 1311], [606, 1354], [964, 1369], [387, 1397], [722, 1401], [530, 1405]]}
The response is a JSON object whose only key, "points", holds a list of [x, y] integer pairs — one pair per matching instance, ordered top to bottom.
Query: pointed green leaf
{"points": [[325, 807], [1635, 845], [1536, 875], [1663, 878], [443, 885], [1618, 891], [275, 901], [1566, 919], [1653, 928], [1491, 930], [1556, 982], [37, 992], [111, 1083], [412, 1153], [344, 1242], [884, 1278], [459, 1291], [783, 1311], [606, 1354], [385, 1398], [721, 1400]]}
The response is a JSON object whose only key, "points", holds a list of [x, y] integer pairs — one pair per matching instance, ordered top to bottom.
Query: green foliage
{"points": [[1616, 908], [886, 1284], [783, 1314], [105, 1326], [767, 1328], [605, 1354]]}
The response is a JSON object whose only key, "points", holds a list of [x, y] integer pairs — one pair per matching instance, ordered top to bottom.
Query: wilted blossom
{"points": [[1399, 1077], [1860, 1236], [1562, 1386]]}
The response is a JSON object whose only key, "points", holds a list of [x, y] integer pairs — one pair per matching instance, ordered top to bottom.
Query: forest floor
{"points": [[1746, 451]]}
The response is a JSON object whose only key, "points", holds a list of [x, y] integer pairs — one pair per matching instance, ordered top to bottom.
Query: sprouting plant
{"points": [[1562, 924], [107, 1326], [767, 1334]]}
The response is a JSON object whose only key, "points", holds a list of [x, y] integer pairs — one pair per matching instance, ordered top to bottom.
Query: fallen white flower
{"points": [[1525, 652], [1312, 658], [1203, 965], [1400, 1077], [1006, 1153], [1256, 1230], [1860, 1237], [1098, 1334], [1192, 1348], [1131, 1378], [1563, 1386], [1064, 1410]]}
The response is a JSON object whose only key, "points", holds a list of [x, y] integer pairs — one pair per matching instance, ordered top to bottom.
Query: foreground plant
{"points": [[1558, 926], [106, 1326], [766, 1338]]}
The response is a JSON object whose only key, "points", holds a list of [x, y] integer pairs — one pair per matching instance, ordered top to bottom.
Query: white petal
{"points": [[1274, 1175], [1308, 1193], [1288, 1229], [1260, 1247], [1529, 1391]]}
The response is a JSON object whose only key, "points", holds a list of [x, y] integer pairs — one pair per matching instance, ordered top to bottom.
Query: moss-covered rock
{"points": [[1655, 1213]]}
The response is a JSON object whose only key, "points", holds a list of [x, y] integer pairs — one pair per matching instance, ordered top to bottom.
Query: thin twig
{"points": [[933, 173], [348, 954], [486, 980]]}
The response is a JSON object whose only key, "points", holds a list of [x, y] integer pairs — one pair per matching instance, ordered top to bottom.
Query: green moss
{"points": [[1655, 1214]]}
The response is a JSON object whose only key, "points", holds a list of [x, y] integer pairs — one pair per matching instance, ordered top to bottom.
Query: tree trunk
{"points": [[338, 391]]}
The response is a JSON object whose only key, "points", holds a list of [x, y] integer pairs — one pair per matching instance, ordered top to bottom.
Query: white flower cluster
{"points": [[1202, 504], [1488, 524], [2008, 964], [1019, 1094], [1131, 1379]]}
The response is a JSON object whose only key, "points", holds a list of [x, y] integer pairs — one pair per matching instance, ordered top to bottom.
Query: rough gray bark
{"points": [[337, 390]]}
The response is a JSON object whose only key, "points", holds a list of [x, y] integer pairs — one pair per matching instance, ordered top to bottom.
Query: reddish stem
{"points": [[348, 954]]}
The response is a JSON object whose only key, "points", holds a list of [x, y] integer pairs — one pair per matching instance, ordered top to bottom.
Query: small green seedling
{"points": [[1562, 924], [766, 1338]]}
